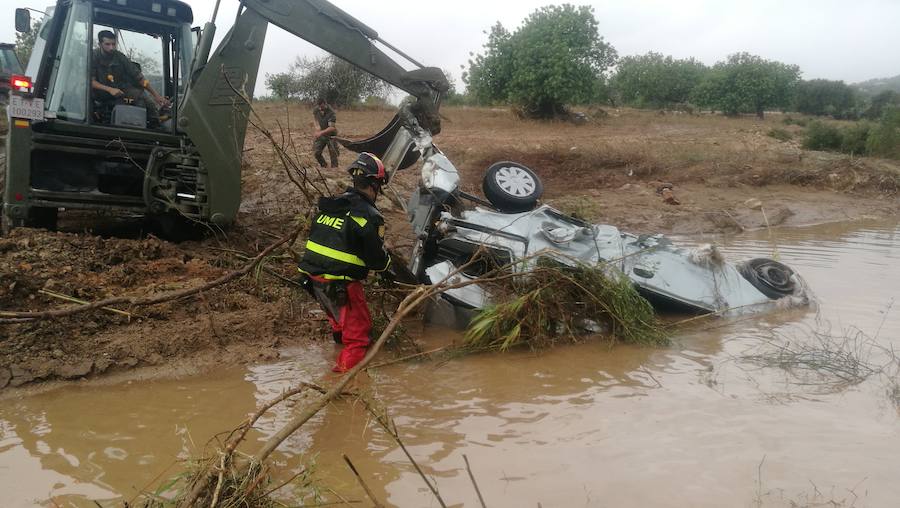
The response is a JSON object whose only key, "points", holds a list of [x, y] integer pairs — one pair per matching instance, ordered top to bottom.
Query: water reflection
{"points": [[115, 439]]}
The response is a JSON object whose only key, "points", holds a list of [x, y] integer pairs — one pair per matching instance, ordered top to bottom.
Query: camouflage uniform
{"points": [[117, 71], [325, 120]]}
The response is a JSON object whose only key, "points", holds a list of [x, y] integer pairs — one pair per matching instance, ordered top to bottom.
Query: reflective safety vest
{"points": [[346, 239]]}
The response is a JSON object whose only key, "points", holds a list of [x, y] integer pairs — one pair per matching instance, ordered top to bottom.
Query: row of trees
{"points": [[558, 57], [743, 83]]}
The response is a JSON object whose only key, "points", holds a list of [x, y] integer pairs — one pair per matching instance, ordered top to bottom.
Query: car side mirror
{"points": [[23, 20]]}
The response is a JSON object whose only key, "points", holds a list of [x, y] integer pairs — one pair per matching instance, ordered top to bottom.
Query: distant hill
{"points": [[875, 86]]}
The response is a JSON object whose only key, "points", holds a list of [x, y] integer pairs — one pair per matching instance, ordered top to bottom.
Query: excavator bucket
{"points": [[379, 143]]}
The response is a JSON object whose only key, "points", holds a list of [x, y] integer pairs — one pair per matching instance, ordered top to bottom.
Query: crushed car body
{"points": [[693, 280]]}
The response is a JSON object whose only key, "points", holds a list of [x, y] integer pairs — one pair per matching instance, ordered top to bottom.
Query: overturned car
{"points": [[512, 228]]}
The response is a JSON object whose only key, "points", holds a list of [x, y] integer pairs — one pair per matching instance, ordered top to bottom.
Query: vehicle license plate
{"points": [[21, 107]]}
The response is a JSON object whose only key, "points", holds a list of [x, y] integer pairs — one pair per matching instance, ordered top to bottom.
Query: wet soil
{"points": [[726, 175]]}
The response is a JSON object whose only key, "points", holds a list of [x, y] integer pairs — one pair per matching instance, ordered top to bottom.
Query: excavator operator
{"points": [[117, 80], [345, 242]]}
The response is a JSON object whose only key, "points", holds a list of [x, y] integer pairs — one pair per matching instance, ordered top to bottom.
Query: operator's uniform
{"points": [[117, 71], [325, 119], [345, 242]]}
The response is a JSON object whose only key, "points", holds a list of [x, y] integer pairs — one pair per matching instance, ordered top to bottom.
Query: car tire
{"points": [[512, 187], [771, 278]]}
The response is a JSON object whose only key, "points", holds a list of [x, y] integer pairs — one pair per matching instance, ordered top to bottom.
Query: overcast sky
{"points": [[831, 39]]}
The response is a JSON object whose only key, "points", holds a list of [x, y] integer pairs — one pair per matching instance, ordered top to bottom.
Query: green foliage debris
{"points": [[557, 302]]}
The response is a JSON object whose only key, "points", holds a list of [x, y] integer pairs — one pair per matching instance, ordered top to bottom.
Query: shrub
{"points": [[780, 134], [820, 136], [884, 138], [853, 139]]}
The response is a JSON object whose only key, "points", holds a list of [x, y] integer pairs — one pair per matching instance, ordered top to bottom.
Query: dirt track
{"points": [[726, 173]]}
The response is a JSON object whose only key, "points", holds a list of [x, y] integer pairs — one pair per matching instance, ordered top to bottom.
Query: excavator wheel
{"points": [[177, 228]]}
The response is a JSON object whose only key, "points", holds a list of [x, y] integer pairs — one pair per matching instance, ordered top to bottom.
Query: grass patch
{"points": [[789, 120], [780, 134], [558, 303]]}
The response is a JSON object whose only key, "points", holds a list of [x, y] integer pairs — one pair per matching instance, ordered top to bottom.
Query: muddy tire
{"points": [[512, 187], [771, 278]]}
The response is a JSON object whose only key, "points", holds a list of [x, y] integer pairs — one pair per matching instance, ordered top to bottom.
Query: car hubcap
{"points": [[515, 181]]}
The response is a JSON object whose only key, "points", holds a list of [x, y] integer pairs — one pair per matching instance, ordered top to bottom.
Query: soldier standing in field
{"points": [[324, 132]]}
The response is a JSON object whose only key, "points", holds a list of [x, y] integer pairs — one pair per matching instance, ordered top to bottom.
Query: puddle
{"points": [[583, 425]]}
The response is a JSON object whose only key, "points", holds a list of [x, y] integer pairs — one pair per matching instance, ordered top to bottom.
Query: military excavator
{"points": [[65, 152]]}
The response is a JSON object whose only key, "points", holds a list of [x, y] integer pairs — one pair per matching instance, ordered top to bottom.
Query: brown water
{"points": [[585, 425]]}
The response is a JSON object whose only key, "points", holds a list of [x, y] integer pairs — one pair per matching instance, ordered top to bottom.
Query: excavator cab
{"points": [[71, 146], [68, 148]]}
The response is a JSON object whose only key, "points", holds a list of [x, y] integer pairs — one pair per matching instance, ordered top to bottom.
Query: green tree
{"points": [[25, 43], [556, 57], [489, 74], [328, 77], [654, 80], [746, 83], [283, 85], [825, 97]]}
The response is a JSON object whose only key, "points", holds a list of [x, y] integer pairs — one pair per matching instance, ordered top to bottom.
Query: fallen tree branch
{"points": [[72, 299], [7, 317], [409, 357], [362, 483], [474, 483]]}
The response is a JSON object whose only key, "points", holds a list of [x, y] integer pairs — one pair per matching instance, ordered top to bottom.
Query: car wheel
{"points": [[512, 187], [771, 278]]}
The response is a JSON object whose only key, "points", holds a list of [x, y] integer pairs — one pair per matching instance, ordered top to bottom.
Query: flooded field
{"points": [[724, 417]]}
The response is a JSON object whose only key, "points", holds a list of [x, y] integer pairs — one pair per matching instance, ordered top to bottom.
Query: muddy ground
{"points": [[726, 176]]}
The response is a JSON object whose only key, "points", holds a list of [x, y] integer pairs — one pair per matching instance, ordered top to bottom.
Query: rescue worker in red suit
{"points": [[345, 242]]}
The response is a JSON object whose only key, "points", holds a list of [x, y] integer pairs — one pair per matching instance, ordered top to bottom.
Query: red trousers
{"points": [[354, 324]]}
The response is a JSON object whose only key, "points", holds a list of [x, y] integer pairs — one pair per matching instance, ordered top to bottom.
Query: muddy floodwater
{"points": [[695, 424]]}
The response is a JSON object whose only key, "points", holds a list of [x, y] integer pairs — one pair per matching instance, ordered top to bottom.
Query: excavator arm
{"points": [[214, 111]]}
